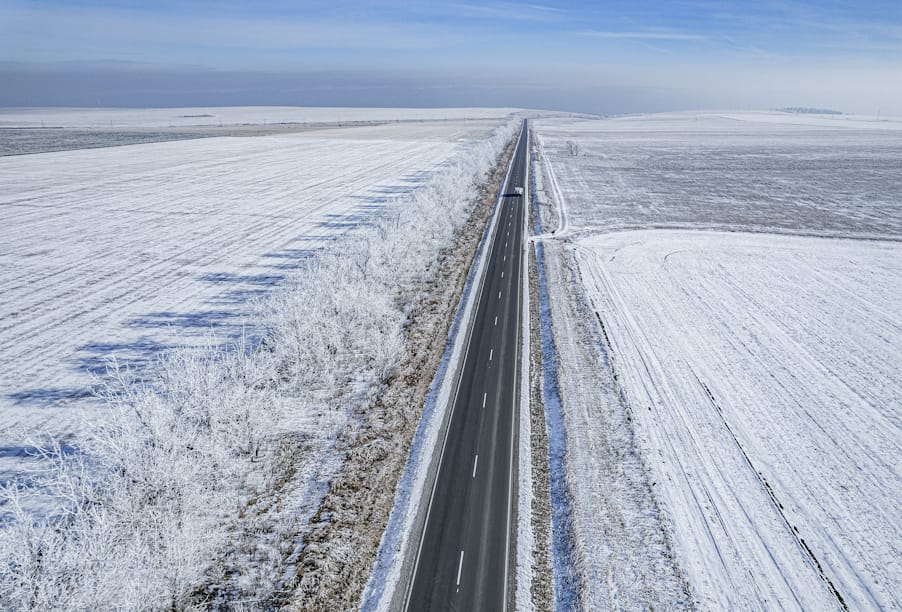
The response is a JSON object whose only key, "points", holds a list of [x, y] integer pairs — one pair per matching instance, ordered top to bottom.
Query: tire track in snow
{"points": [[777, 505]]}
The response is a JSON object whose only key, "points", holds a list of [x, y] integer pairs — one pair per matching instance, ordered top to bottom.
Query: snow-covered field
{"points": [[229, 115], [38, 130], [752, 171], [127, 251], [755, 373], [763, 377], [197, 479]]}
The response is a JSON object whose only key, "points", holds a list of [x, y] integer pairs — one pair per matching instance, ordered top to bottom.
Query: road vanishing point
{"points": [[465, 558]]}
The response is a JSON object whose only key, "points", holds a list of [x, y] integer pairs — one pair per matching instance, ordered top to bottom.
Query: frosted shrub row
{"points": [[146, 507]]}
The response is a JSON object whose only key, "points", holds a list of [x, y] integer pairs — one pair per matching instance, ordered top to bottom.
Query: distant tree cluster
{"points": [[804, 110]]}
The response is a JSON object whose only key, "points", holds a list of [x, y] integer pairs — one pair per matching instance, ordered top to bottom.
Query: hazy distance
{"points": [[577, 56]]}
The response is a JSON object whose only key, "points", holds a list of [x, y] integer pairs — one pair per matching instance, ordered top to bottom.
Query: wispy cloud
{"points": [[541, 7], [507, 11], [112, 33], [642, 35]]}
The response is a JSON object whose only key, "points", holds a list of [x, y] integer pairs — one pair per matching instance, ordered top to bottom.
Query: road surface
{"points": [[464, 559]]}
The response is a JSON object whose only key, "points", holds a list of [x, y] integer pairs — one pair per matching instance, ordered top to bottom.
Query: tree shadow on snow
{"points": [[222, 317], [46, 396]]}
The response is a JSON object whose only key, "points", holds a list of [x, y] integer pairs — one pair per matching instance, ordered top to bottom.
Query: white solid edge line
{"points": [[477, 303], [517, 356], [523, 557]]}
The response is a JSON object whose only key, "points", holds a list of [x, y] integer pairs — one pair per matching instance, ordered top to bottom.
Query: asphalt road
{"points": [[464, 560]]}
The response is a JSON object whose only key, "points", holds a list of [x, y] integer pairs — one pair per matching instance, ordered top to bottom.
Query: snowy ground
{"points": [[119, 118], [25, 131], [23, 141], [752, 171], [128, 251], [756, 374], [762, 374], [197, 483]]}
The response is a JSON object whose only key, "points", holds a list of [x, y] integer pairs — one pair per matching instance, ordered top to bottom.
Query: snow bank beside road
{"points": [[762, 375]]}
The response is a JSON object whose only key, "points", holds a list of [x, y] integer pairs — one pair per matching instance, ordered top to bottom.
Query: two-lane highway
{"points": [[464, 557]]}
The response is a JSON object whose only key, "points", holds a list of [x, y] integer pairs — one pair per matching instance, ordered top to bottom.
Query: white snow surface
{"points": [[119, 118], [752, 171], [131, 249], [126, 252], [744, 270], [762, 374], [215, 430]]}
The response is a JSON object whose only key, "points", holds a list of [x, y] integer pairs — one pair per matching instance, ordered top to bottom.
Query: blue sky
{"points": [[653, 54]]}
